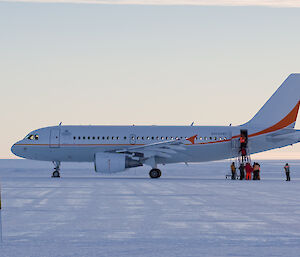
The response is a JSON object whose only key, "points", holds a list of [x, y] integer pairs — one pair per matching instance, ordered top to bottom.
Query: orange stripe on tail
{"points": [[286, 121]]}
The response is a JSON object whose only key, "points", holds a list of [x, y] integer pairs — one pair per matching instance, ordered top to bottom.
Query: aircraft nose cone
{"points": [[13, 149], [16, 150]]}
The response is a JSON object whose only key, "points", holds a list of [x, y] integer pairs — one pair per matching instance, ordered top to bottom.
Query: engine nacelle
{"points": [[114, 162]]}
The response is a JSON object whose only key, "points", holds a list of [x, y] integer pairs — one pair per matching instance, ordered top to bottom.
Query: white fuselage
{"points": [[81, 143]]}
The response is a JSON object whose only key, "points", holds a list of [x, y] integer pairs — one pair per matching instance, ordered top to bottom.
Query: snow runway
{"points": [[189, 211]]}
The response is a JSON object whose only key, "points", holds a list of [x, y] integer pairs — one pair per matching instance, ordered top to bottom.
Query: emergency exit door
{"points": [[54, 137]]}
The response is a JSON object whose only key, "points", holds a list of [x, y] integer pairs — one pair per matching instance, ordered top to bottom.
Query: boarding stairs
{"points": [[238, 159]]}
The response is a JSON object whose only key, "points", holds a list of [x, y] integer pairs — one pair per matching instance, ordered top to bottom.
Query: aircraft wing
{"points": [[163, 149]]}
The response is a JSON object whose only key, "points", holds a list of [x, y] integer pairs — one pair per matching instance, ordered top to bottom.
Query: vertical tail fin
{"points": [[281, 109]]}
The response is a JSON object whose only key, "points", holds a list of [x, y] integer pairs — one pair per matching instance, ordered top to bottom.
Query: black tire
{"points": [[155, 173], [159, 173], [55, 174]]}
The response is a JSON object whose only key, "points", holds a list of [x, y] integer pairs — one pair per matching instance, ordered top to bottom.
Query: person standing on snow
{"points": [[249, 170], [233, 171], [242, 171], [255, 171], [287, 172], [258, 173]]}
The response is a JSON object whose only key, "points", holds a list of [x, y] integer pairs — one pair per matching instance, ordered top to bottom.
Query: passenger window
{"points": [[36, 137], [83, 137], [74, 138], [79, 138], [89, 138], [94, 138], [103, 138], [107, 138], [112, 138], [117, 138], [125, 138], [152, 138]]}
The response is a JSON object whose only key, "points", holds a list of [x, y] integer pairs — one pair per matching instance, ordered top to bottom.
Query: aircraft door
{"points": [[54, 138]]}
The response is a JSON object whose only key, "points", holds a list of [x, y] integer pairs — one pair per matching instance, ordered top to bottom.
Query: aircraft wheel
{"points": [[155, 173], [55, 174]]}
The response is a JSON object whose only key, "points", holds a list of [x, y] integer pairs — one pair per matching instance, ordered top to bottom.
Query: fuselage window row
{"points": [[35, 137]]}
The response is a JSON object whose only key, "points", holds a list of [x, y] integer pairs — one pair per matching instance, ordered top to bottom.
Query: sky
{"points": [[124, 63]]}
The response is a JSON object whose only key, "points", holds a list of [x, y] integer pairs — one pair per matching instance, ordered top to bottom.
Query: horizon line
{"points": [[224, 3]]}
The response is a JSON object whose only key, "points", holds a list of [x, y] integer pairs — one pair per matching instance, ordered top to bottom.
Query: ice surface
{"points": [[189, 211]]}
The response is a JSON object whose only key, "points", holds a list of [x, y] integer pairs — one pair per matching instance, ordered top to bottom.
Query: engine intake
{"points": [[113, 162]]}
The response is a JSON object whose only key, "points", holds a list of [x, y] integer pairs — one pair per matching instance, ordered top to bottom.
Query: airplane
{"points": [[117, 148]]}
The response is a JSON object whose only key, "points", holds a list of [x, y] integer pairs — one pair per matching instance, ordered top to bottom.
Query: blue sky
{"points": [[135, 64]]}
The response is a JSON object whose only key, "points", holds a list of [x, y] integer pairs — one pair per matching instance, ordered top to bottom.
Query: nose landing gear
{"points": [[56, 173], [155, 173]]}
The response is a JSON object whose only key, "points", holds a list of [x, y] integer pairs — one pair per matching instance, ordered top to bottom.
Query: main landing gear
{"points": [[56, 173], [155, 173]]}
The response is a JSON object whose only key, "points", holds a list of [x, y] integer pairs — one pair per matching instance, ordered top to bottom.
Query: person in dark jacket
{"points": [[256, 170], [242, 171], [287, 172]]}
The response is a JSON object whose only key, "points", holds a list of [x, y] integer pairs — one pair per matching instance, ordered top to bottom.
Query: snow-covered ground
{"points": [[189, 211]]}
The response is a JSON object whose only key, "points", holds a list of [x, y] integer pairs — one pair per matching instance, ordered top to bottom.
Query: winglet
{"points": [[192, 139]]}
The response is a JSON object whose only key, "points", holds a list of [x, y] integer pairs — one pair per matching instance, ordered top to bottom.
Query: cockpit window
{"points": [[30, 137], [33, 137]]}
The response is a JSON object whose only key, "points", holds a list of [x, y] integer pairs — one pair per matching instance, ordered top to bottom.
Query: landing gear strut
{"points": [[56, 173], [155, 173]]}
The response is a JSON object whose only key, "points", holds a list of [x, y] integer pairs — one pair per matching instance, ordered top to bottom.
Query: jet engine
{"points": [[114, 162]]}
